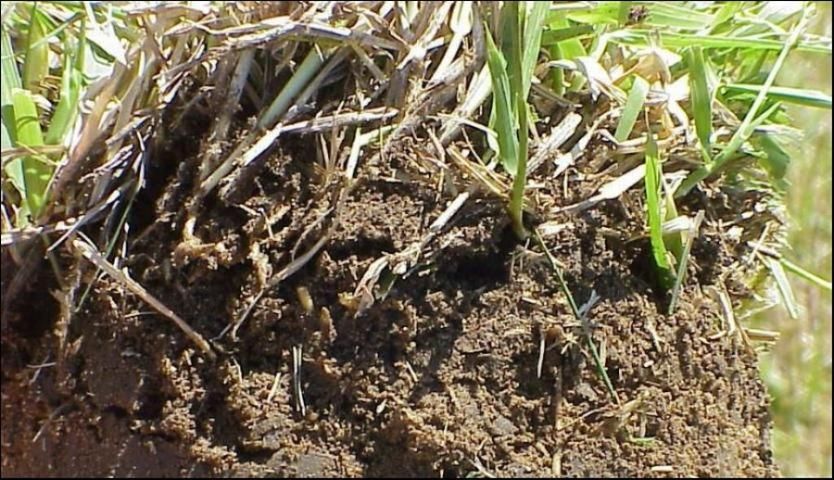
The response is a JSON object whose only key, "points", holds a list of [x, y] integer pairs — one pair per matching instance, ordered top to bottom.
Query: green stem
{"points": [[517, 197], [805, 274]]}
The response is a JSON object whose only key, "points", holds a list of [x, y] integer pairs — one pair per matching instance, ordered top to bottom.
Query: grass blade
{"points": [[726, 12], [606, 13], [624, 13], [676, 15], [512, 19], [533, 28], [558, 35], [639, 37], [563, 43], [36, 64], [302, 76], [11, 77], [520, 78], [798, 96], [701, 98], [633, 107], [62, 120], [505, 124], [8, 134], [5, 137], [774, 159], [36, 172], [520, 180], [652, 181], [683, 261], [805, 274], [782, 284], [586, 328]]}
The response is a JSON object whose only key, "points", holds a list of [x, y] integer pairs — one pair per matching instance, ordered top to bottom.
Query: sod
{"points": [[298, 238]]}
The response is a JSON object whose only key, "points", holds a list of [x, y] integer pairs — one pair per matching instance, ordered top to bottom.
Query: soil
{"points": [[435, 374]]}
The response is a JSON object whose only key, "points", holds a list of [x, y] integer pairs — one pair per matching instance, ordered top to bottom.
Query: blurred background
{"points": [[798, 369]]}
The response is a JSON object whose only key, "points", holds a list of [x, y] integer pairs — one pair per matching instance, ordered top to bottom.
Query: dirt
{"points": [[438, 376]]}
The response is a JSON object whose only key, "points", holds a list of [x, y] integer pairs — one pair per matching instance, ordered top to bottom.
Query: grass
{"points": [[511, 71], [82, 79], [23, 87], [702, 99], [633, 108], [753, 118], [655, 215], [582, 319], [798, 369]]}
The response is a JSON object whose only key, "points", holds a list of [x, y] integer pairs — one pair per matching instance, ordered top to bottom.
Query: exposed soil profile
{"points": [[438, 377]]}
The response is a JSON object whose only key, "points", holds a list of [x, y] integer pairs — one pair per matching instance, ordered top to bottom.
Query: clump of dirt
{"points": [[467, 360]]}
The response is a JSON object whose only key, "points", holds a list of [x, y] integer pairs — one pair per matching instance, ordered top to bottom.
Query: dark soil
{"points": [[436, 378]]}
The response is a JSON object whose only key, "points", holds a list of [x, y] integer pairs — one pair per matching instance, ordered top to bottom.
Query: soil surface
{"points": [[435, 370]]}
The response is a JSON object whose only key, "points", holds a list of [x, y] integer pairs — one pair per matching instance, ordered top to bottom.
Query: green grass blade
{"points": [[727, 11], [604, 13], [624, 13], [677, 15], [533, 27], [52, 29], [558, 35], [511, 36], [567, 36], [639, 37], [563, 43], [36, 64], [11, 77], [556, 77], [517, 78], [10, 81], [798, 96], [700, 97], [633, 108], [65, 113], [504, 122], [8, 132], [5, 138], [36, 172], [520, 180], [652, 181], [674, 240], [805, 274]]}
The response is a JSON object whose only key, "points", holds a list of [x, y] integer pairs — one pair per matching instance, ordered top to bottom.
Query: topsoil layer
{"points": [[441, 375]]}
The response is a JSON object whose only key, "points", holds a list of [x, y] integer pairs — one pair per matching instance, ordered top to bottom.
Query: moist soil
{"points": [[436, 371]]}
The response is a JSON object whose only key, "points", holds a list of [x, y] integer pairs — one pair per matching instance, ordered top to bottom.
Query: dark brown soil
{"points": [[438, 378]]}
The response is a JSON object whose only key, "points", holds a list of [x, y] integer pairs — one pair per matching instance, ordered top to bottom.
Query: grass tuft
{"points": [[511, 70]]}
